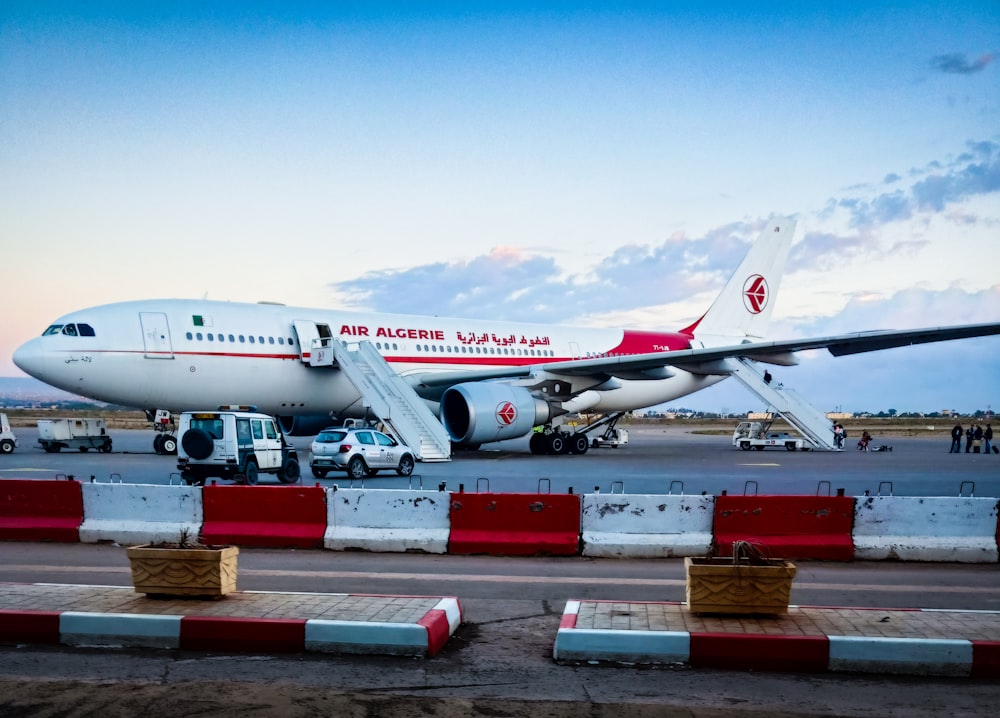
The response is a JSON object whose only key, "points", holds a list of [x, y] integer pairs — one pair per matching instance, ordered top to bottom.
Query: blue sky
{"points": [[586, 163]]}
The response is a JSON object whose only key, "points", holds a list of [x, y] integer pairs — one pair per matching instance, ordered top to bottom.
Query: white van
{"points": [[237, 445]]}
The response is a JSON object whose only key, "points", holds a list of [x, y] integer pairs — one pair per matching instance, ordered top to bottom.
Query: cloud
{"points": [[956, 63]]}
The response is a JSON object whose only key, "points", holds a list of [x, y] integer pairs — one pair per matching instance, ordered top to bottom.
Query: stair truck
{"points": [[757, 435]]}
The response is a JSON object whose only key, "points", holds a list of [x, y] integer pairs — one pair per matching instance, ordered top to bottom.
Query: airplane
{"points": [[485, 380]]}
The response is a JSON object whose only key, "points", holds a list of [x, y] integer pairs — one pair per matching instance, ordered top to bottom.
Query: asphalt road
{"points": [[656, 461], [498, 663]]}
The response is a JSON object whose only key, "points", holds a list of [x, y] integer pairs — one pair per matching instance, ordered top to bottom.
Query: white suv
{"points": [[237, 445], [360, 452]]}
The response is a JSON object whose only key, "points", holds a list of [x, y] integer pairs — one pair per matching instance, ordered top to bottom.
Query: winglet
{"points": [[743, 308]]}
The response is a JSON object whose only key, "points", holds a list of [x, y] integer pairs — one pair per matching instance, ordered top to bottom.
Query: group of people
{"points": [[839, 434], [976, 439]]}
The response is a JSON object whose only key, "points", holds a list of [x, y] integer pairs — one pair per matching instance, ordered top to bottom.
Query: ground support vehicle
{"points": [[81, 434], [757, 435], [8, 442], [235, 445], [360, 451]]}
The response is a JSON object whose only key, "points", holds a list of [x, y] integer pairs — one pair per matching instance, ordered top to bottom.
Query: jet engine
{"points": [[478, 413], [304, 425]]}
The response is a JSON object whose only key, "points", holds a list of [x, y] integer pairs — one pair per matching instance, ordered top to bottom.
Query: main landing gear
{"points": [[558, 442]]}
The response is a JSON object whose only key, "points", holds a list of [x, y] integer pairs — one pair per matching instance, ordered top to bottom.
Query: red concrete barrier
{"points": [[40, 510], [273, 516], [514, 524], [793, 527]]}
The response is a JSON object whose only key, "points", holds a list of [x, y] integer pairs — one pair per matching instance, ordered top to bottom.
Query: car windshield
{"points": [[331, 437]]}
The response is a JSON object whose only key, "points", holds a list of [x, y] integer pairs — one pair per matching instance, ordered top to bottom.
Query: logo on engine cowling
{"points": [[506, 413]]}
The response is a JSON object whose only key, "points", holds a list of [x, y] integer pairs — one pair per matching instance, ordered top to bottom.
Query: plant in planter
{"points": [[183, 569], [746, 583]]}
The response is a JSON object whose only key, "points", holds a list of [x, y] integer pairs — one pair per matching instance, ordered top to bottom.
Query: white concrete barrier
{"points": [[132, 514], [387, 520], [647, 526], [937, 528]]}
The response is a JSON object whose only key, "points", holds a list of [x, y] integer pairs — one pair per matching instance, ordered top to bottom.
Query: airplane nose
{"points": [[28, 358]]}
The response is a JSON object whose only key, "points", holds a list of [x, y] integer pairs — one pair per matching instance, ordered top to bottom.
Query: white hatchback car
{"points": [[360, 452]]}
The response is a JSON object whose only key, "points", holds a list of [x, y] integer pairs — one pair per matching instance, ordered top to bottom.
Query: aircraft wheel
{"points": [[158, 443], [557, 443], [537, 444], [578, 444], [168, 445]]}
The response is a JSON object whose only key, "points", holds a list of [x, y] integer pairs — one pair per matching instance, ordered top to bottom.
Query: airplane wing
{"points": [[652, 365]]}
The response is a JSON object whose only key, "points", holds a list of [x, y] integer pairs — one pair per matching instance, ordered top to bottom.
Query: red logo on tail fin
{"points": [[755, 294]]}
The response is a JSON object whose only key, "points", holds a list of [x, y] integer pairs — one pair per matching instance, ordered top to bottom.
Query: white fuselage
{"points": [[188, 354]]}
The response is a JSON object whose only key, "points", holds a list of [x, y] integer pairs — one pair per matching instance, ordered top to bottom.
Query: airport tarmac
{"points": [[657, 460]]}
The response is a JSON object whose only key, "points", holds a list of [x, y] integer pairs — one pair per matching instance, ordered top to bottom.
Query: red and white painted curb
{"points": [[778, 652]]}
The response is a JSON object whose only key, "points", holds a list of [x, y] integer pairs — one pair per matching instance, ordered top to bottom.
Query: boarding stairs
{"points": [[392, 400], [806, 418]]}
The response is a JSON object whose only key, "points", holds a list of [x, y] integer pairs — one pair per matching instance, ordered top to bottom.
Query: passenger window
{"points": [[190, 335], [198, 335], [211, 337], [232, 338], [251, 339], [270, 430], [243, 431], [258, 432], [365, 437], [384, 440]]}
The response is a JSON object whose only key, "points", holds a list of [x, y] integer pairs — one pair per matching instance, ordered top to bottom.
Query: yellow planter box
{"points": [[208, 571], [718, 585]]}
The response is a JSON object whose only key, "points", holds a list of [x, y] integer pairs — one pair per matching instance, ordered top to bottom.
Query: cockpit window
{"points": [[70, 330]]}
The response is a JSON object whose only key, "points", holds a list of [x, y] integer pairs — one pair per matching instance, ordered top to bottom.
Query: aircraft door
{"points": [[156, 335], [314, 342]]}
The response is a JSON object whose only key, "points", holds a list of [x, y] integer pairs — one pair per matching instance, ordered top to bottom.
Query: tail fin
{"points": [[743, 308]]}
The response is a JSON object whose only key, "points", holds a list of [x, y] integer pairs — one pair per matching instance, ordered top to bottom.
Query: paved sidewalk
{"points": [[242, 621], [918, 642]]}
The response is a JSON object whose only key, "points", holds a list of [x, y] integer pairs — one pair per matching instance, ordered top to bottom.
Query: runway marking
{"points": [[760, 464], [26, 470], [513, 578]]}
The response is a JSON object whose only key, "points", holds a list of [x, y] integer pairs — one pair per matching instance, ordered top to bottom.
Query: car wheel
{"points": [[197, 444], [169, 445], [745, 445], [6, 446], [790, 446], [759, 447], [105, 448], [84, 449], [405, 467], [356, 468], [370, 472], [319, 473], [252, 474], [290, 474]]}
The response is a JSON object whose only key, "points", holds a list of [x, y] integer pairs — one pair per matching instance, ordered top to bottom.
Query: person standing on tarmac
{"points": [[969, 433], [956, 439], [977, 439], [987, 439]]}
